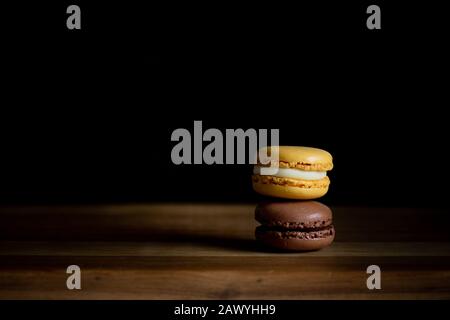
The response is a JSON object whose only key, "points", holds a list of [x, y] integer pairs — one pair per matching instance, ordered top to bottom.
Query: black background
{"points": [[87, 114], [374, 309]]}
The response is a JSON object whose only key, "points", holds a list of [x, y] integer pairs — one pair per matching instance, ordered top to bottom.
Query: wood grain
{"points": [[207, 251]]}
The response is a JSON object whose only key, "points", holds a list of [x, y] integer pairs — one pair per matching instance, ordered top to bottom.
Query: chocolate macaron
{"points": [[299, 173], [294, 225]]}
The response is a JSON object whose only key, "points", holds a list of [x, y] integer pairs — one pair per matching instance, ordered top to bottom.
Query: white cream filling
{"points": [[290, 173]]}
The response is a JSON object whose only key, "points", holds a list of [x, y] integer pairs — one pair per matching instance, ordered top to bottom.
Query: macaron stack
{"points": [[294, 223]]}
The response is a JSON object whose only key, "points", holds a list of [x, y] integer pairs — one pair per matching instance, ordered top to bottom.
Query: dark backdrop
{"points": [[87, 115]]}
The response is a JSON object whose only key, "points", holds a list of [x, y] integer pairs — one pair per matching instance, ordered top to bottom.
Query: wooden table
{"points": [[207, 251]]}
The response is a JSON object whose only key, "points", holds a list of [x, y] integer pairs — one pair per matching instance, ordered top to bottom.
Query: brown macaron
{"points": [[294, 225]]}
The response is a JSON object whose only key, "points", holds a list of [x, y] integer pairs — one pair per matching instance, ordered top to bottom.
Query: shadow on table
{"points": [[86, 227]]}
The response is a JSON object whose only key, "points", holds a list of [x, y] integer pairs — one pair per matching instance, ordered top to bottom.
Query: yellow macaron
{"points": [[300, 173]]}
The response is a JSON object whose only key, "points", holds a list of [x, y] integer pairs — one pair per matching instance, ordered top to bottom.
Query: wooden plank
{"points": [[210, 222], [249, 248], [207, 251], [226, 278]]}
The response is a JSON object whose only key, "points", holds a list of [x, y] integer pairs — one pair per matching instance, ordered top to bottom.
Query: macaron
{"points": [[301, 173], [294, 225]]}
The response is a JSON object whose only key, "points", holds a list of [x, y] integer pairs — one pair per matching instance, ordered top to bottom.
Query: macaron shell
{"points": [[305, 158], [324, 182], [289, 192], [294, 215], [274, 240]]}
